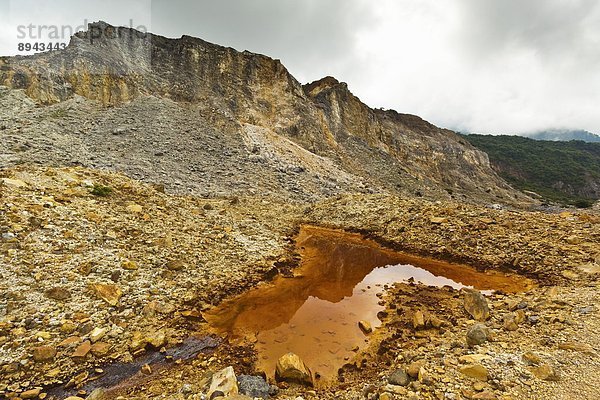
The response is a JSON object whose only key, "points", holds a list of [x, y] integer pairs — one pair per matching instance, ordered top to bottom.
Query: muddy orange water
{"points": [[316, 313]]}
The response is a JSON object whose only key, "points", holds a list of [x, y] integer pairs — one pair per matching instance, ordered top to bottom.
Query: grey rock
{"points": [[8, 236], [587, 310], [477, 335], [399, 378], [253, 386], [187, 388], [273, 390]]}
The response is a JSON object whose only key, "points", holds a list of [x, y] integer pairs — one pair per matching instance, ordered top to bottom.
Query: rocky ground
{"points": [[554, 247], [98, 269], [84, 275]]}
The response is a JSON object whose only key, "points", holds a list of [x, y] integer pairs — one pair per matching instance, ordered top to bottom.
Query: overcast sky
{"points": [[489, 66]]}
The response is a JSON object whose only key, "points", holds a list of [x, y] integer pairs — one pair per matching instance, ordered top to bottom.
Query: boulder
{"points": [[14, 182], [175, 265], [58, 293], [109, 293], [476, 305], [418, 320], [365, 327], [97, 334], [477, 334], [154, 338], [100, 349], [82, 350], [44, 353], [473, 358], [530, 358], [415, 367], [290, 368], [476, 371], [545, 372], [399, 378], [223, 382], [30, 394], [97, 394], [485, 395]]}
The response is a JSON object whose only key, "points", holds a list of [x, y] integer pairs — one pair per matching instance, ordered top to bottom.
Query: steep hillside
{"points": [[207, 119], [567, 172]]}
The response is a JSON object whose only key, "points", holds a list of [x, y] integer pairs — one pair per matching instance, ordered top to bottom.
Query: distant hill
{"points": [[564, 135], [564, 172]]}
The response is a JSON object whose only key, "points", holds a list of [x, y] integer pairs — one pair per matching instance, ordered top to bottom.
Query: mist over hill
{"points": [[564, 135]]}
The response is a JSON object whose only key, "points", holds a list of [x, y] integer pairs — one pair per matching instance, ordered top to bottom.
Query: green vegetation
{"points": [[58, 113], [561, 172], [101, 191]]}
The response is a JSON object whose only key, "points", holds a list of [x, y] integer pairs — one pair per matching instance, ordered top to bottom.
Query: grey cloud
{"points": [[550, 28], [312, 37]]}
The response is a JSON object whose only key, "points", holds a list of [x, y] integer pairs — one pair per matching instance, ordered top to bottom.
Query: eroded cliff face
{"points": [[256, 102], [417, 147]]}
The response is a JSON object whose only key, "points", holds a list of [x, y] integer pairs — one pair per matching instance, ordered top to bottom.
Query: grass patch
{"points": [[58, 113], [101, 191]]}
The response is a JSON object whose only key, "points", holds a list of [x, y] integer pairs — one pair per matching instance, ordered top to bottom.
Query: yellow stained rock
{"points": [[14, 182], [134, 208], [438, 220], [129, 265], [109, 293], [418, 320], [365, 326], [97, 334], [69, 341], [577, 346], [100, 349], [82, 350], [44, 353], [473, 358], [290, 368], [476, 371], [545, 372], [30, 394]]}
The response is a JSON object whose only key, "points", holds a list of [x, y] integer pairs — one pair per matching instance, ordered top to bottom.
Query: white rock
{"points": [[97, 334], [223, 381]]}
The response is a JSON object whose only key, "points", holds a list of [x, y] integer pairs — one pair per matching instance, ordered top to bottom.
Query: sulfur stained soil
{"points": [[169, 260]]}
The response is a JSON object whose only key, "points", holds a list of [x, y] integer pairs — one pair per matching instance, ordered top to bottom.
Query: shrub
{"points": [[101, 191], [583, 203]]}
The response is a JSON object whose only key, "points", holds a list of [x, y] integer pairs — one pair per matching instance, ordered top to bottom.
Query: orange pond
{"points": [[316, 313]]}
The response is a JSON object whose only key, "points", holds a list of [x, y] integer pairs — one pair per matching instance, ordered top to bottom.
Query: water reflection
{"points": [[315, 314]]}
